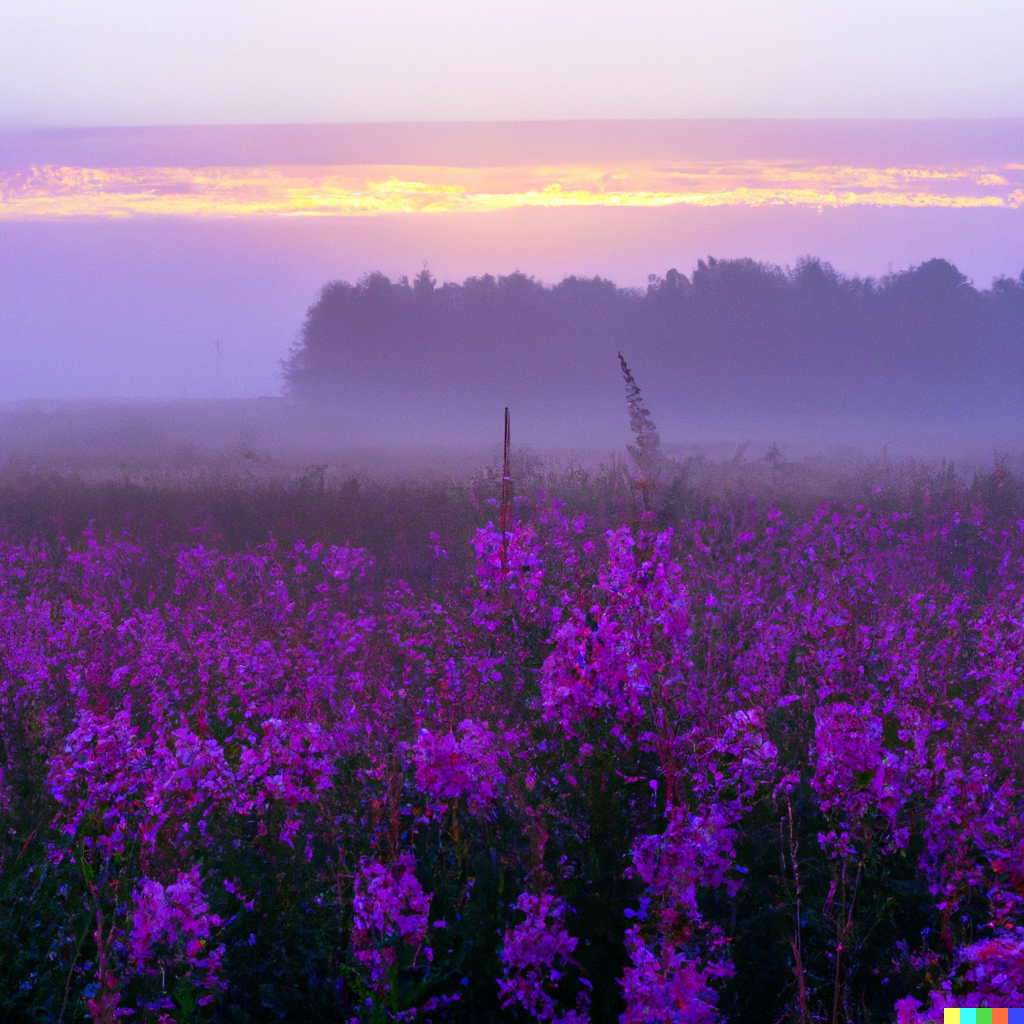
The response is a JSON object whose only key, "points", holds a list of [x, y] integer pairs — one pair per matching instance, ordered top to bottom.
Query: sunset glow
{"points": [[55, 192]]}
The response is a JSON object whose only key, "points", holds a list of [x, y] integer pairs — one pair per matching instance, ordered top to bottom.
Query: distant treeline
{"points": [[736, 340]]}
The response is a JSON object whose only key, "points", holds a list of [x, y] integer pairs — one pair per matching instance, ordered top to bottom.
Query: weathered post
{"points": [[506, 503]]}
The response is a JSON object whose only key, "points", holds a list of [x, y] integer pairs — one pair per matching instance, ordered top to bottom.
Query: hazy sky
{"points": [[127, 62], [179, 261]]}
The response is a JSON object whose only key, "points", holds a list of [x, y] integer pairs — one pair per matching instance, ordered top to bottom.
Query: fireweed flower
{"points": [[522, 577], [618, 643], [450, 768], [99, 778], [694, 851], [389, 909], [170, 928], [535, 955], [668, 980], [666, 987]]}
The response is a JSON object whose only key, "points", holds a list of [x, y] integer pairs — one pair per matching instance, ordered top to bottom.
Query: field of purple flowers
{"points": [[745, 765]]}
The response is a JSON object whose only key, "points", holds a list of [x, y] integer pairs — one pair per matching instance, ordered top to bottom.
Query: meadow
{"points": [[739, 742]]}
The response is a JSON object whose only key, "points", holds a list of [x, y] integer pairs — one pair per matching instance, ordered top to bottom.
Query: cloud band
{"points": [[54, 193]]}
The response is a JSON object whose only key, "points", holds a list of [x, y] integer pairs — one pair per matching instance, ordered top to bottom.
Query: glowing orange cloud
{"points": [[50, 192]]}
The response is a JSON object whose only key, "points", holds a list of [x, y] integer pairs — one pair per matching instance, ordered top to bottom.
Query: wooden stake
{"points": [[506, 502]]}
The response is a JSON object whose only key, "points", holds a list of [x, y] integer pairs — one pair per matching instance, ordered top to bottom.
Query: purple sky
{"points": [[119, 62], [112, 284]]}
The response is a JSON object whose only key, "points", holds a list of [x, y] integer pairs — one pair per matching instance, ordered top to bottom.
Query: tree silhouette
{"points": [[919, 346]]}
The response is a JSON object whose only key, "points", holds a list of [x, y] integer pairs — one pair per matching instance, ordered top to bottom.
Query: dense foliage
{"points": [[735, 339], [747, 766]]}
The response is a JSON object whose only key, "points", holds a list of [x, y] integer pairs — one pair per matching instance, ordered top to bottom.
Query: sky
{"points": [[125, 62], [179, 179]]}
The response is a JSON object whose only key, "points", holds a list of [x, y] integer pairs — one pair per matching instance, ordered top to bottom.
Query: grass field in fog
{"points": [[243, 469]]}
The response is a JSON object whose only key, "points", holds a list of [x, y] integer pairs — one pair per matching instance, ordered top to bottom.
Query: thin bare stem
{"points": [[506, 501], [796, 942]]}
